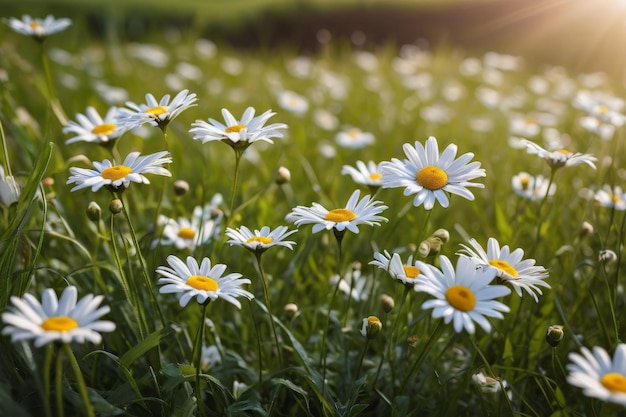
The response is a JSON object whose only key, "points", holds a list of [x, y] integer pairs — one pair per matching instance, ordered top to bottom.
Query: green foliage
{"points": [[147, 366]]}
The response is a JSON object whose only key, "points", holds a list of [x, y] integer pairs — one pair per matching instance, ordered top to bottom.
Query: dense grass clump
{"points": [[407, 232]]}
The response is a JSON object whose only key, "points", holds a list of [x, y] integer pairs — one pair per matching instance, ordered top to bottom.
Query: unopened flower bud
{"points": [[283, 176], [48, 181], [181, 187], [116, 206], [94, 211], [586, 228], [441, 234], [424, 249], [607, 256], [387, 303], [290, 309], [371, 327], [554, 335], [412, 340]]}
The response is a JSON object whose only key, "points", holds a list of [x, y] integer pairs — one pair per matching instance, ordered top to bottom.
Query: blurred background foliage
{"points": [[579, 34]]}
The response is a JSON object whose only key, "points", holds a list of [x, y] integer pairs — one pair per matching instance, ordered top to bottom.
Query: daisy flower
{"points": [[38, 28], [293, 102], [157, 113], [91, 127], [238, 133], [354, 138], [560, 157], [363, 174], [113, 176], [431, 176], [532, 187], [9, 190], [610, 197], [356, 212], [185, 233], [260, 240], [508, 266], [409, 273], [201, 281], [464, 296], [64, 320], [598, 375]]}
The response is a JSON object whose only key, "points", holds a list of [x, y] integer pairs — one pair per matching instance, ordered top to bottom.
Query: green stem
{"points": [[5, 150], [233, 190], [541, 218], [339, 238], [144, 268], [129, 288], [266, 293], [392, 336], [197, 352], [420, 359], [47, 370], [358, 370], [58, 377], [82, 387], [502, 388]]}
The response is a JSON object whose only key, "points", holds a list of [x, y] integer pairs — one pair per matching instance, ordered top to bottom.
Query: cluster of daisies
{"points": [[464, 295]]}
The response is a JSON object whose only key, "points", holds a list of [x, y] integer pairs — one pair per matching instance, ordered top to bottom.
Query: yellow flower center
{"points": [[34, 25], [603, 109], [156, 111], [235, 128], [104, 129], [353, 133], [563, 151], [116, 172], [375, 176], [432, 178], [525, 181], [340, 215], [186, 233], [263, 239], [503, 266], [411, 271], [200, 282], [461, 298], [59, 324], [614, 382]]}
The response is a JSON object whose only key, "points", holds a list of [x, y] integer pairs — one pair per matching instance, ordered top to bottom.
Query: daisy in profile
{"points": [[38, 28], [157, 113], [91, 127], [239, 134], [354, 138], [560, 157], [365, 174], [112, 176], [430, 176], [532, 187], [9, 189], [610, 197], [356, 212], [185, 233], [260, 240], [509, 266], [409, 273], [203, 282], [463, 296], [57, 320], [598, 375]]}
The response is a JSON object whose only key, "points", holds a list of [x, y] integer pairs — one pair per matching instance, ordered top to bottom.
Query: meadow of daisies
{"points": [[193, 230]]}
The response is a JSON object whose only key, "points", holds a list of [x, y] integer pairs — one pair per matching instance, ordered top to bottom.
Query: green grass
{"points": [[146, 366]]}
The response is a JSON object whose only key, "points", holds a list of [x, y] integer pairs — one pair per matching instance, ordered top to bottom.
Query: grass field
{"points": [[327, 324]]}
